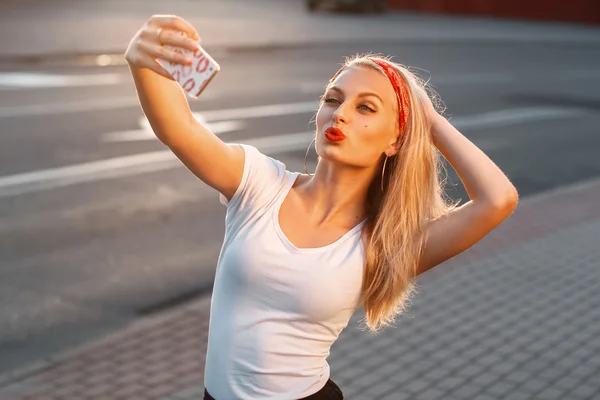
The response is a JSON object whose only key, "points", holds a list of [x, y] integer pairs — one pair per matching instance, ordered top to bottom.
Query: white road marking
{"points": [[27, 80], [121, 102], [70, 107], [261, 111], [499, 118], [146, 133], [118, 167], [30, 182]]}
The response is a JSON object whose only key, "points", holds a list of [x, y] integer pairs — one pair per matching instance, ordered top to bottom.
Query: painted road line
{"points": [[26, 80], [121, 102], [69, 107], [261, 111], [494, 119], [219, 121], [146, 133], [161, 160], [118, 167]]}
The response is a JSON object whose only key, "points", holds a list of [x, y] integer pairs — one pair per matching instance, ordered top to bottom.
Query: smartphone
{"points": [[193, 78]]}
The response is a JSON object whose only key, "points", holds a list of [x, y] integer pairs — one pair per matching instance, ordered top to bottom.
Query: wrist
{"points": [[436, 122]]}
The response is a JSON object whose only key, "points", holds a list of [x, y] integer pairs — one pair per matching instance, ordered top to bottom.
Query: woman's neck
{"points": [[336, 195]]}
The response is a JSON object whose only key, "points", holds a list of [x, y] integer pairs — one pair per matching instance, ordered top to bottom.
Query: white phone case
{"points": [[195, 77]]}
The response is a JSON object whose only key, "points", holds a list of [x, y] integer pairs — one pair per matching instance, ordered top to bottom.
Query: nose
{"points": [[340, 114]]}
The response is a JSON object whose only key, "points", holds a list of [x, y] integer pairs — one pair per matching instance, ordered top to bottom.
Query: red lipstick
{"points": [[334, 134]]}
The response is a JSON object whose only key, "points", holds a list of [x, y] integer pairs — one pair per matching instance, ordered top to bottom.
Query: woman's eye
{"points": [[362, 107], [366, 108]]}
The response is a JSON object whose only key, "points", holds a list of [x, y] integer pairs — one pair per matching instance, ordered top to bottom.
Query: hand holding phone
{"points": [[165, 44], [194, 77]]}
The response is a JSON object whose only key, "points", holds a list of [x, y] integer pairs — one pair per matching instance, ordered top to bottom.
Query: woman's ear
{"points": [[393, 148]]}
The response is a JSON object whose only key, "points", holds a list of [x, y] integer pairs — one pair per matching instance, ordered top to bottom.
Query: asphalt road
{"points": [[88, 248]]}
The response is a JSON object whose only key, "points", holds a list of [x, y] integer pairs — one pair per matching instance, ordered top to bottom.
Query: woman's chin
{"points": [[330, 152]]}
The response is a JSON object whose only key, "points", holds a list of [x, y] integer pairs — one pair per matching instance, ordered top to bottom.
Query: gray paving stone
{"points": [[475, 352], [442, 354], [488, 360], [594, 361], [455, 363], [534, 366], [422, 367], [503, 368], [388, 369], [469, 371], [584, 371], [553, 373], [348, 374], [437, 374], [519, 375], [403, 377], [485, 379], [368, 380], [451, 382], [416, 385], [534, 385], [501, 388], [381, 389], [467, 391], [586, 391], [189, 392], [431, 394], [551, 394], [397, 396], [483, 396], [520, 396]]}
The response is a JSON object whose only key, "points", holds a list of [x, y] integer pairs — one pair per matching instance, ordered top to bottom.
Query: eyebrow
{"points": [[363, 94]]}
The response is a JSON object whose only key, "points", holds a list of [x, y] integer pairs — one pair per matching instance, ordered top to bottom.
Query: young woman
{"points": [[303, 252]]}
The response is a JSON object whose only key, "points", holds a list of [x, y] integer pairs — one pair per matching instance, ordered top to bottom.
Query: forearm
{"points": [[163, 103], [482, 178]]}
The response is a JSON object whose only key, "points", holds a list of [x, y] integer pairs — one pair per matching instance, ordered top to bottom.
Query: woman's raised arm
{"points": [[163, 101]]}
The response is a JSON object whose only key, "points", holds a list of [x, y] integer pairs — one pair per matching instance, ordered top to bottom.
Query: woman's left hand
{"points": [[431, 111]]}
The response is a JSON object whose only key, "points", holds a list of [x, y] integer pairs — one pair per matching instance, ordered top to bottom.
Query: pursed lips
{"points": [[334, 134]]}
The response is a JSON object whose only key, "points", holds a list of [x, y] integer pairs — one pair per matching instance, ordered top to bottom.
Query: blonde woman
{"points": [[302, 252]]}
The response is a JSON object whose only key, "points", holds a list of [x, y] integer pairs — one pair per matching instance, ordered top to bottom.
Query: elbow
{"points": [[513, 197], [502, 202], [507, 203]]}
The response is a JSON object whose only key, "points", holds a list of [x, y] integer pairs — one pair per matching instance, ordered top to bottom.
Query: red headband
{"points": [[399, 87]]}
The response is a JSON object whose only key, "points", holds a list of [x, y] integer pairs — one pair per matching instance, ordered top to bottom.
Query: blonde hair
{"points": [[396, 225]]}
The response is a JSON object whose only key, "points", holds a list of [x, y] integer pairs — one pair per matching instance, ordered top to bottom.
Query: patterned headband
{"points": [[399, 87]]}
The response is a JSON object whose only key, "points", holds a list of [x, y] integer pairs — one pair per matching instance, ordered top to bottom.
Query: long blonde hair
{"points": [[396, 225]]}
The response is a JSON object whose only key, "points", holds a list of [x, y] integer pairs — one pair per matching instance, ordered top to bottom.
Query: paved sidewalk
{"points": [[37, 29], [515, 317]]}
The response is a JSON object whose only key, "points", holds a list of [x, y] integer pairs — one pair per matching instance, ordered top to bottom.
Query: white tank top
{"points": [[276, 309]]}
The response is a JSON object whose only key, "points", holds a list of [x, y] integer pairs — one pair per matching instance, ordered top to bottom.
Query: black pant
{"points": [[330, 391]]}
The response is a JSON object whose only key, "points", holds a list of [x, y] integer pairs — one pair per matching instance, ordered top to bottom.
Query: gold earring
{"points": [[306, 155], [383, 172]]}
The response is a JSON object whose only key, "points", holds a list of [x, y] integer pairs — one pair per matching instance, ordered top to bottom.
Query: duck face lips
{"points": [[334, 134]]}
